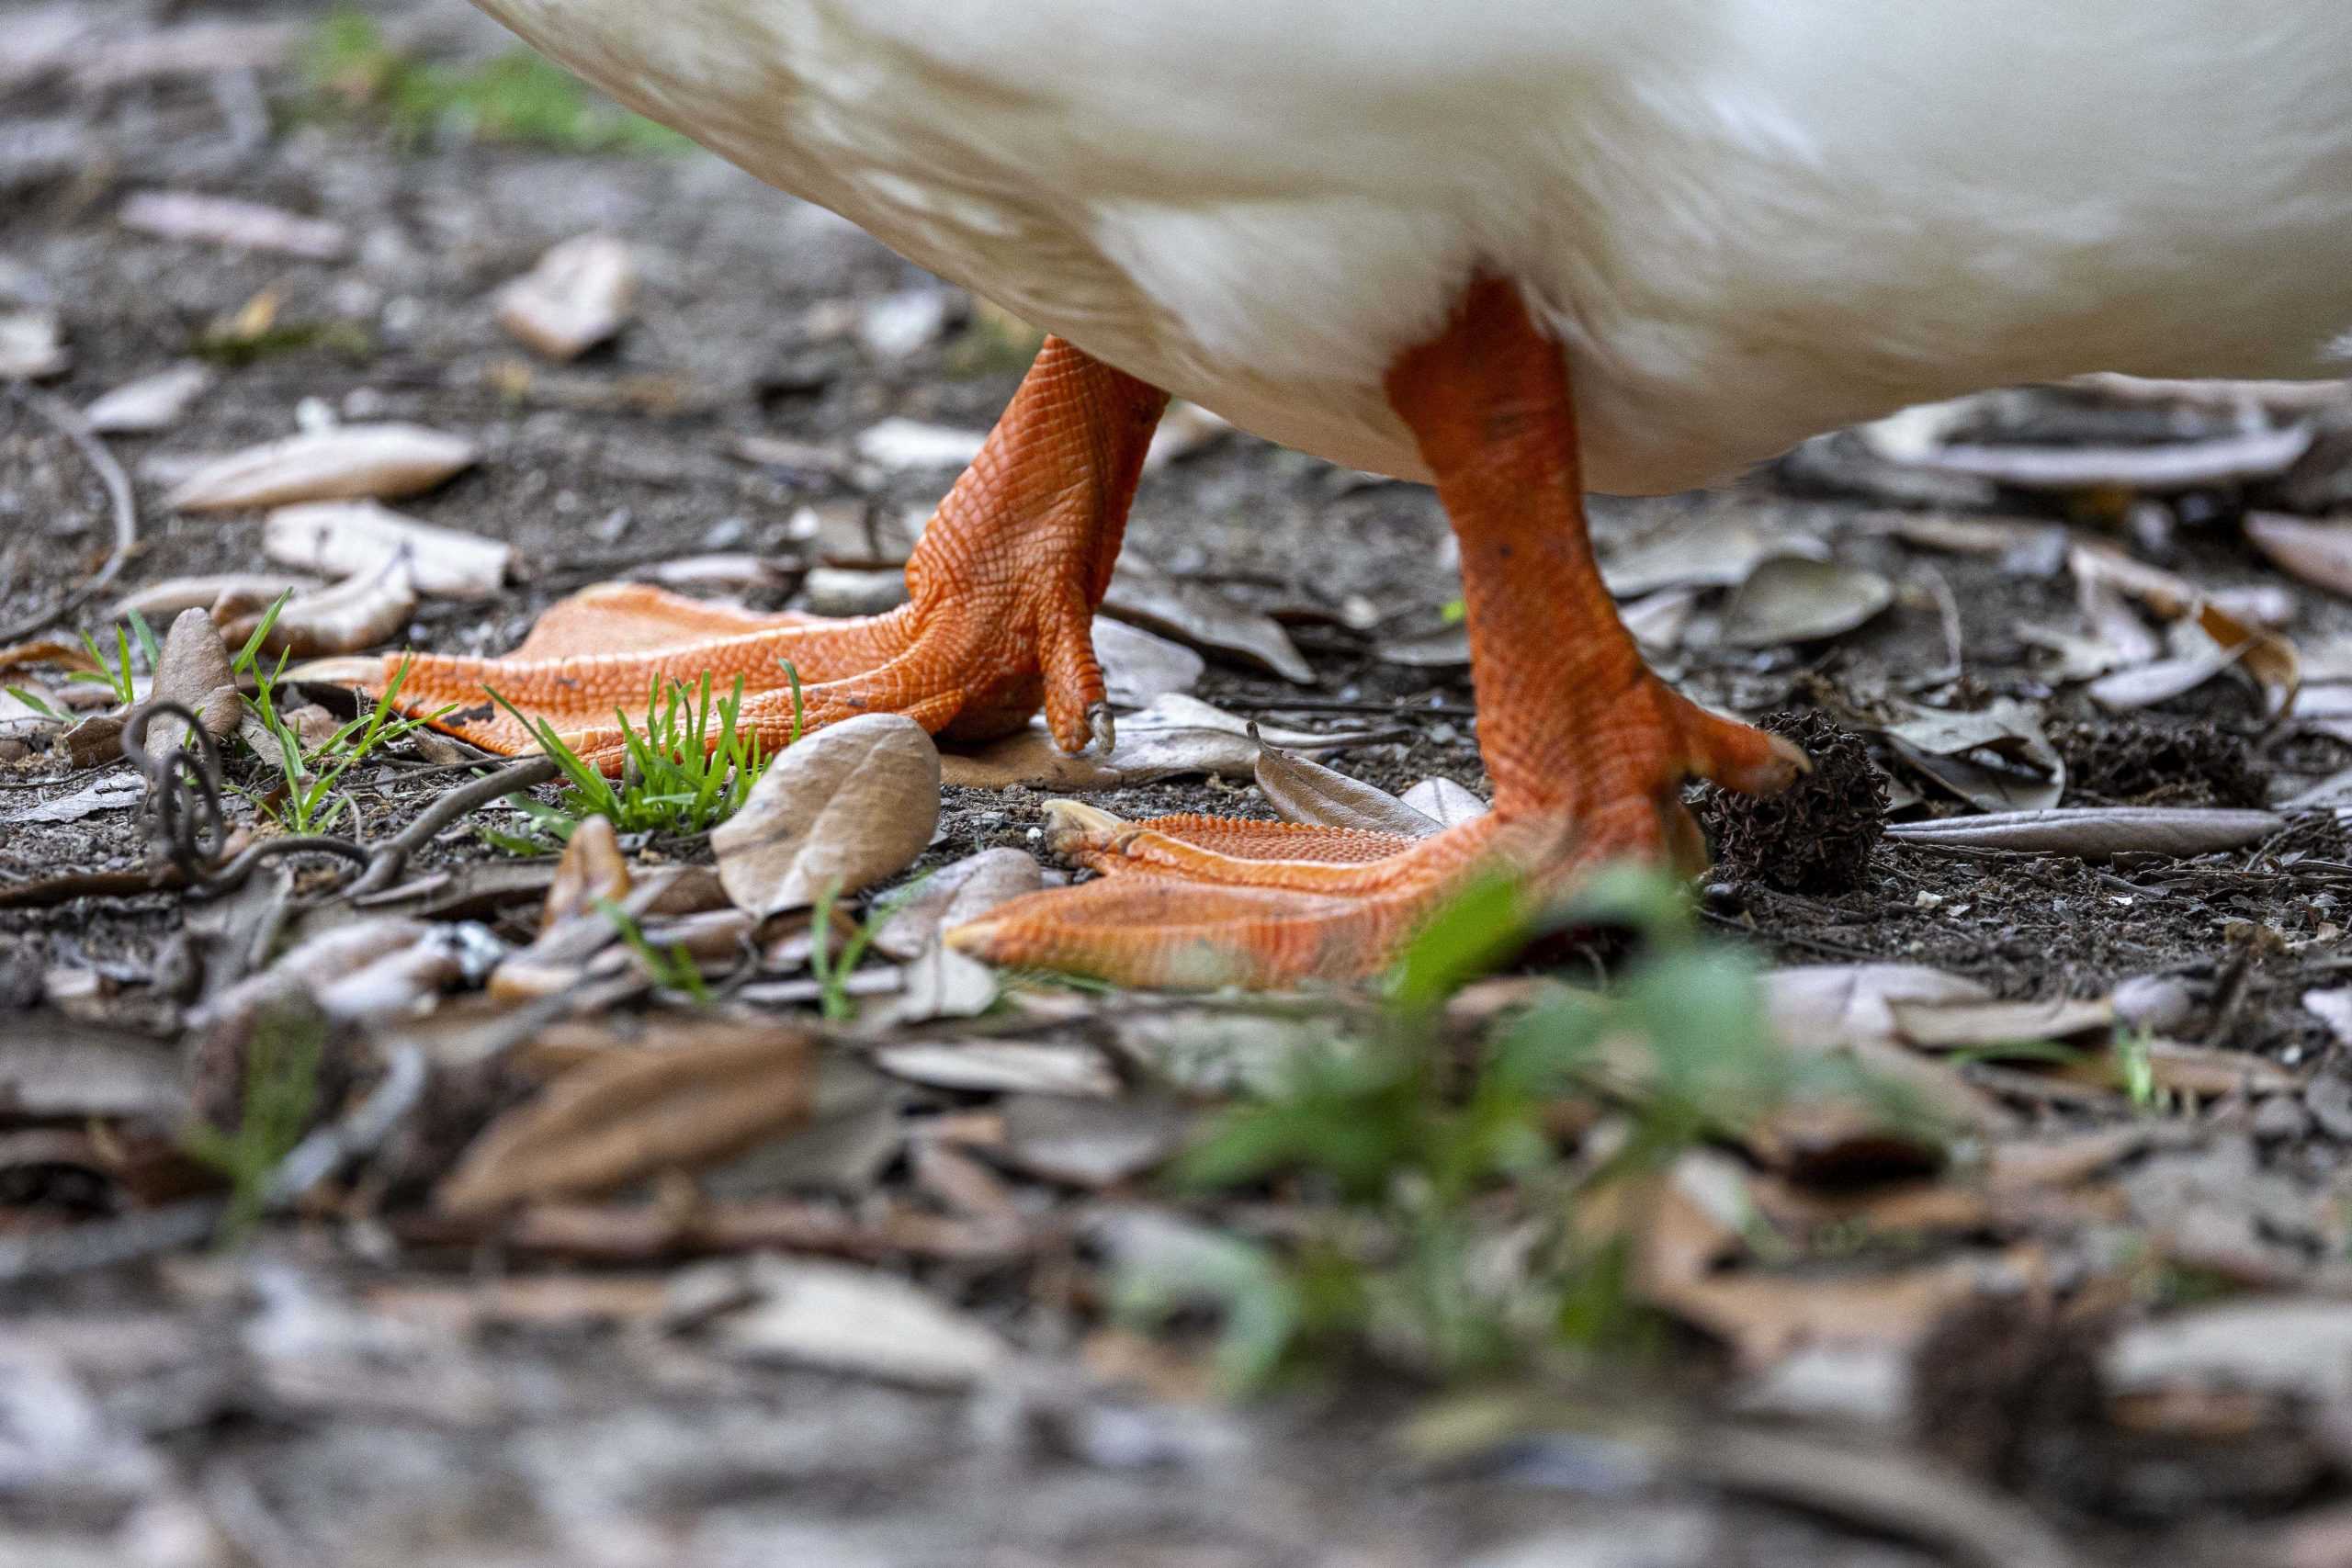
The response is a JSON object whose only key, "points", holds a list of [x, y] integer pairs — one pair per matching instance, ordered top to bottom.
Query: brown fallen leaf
{"points": [[240, 225], [575, 298], [151, 404], [346, 462], [347, 538], [1718, 548], [1200, 618], [1140, 667], [192, 669], [1176, 735], [1997, 759], [1303, 791], [840, 809], [2097, 832], [591, 868], [1974, 1025], [2197, 1071], [617, 1120]]}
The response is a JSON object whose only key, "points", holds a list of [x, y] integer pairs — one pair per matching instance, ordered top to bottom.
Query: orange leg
{"points": [[1003, 591], [1586, 750]]}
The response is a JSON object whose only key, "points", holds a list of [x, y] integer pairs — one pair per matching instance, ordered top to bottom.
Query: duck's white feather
{"points": [[1748, 220]]}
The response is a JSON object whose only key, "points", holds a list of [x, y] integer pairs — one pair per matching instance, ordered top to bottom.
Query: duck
{"points": [[1516, 250]]}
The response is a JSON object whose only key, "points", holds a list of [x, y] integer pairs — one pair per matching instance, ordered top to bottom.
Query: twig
{"points": [[70, 424], [391, 858], [46, 1254]]}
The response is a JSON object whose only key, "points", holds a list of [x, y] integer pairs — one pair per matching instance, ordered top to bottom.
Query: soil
{"points": [[585, 1444]]}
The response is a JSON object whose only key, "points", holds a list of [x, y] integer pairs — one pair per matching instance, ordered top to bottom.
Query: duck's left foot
{"points": [[1588, 750]]}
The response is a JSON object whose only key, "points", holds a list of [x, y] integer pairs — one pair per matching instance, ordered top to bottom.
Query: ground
{"points": [[364, 1380]]}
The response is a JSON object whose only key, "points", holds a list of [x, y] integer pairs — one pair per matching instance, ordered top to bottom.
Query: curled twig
{"points": [[70, 424], [183, 788], [391, 858]]}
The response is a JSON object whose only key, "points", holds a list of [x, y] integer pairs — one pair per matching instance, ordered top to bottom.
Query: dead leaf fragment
{"points": [[240, 225], [575, 298], [32, 346], [152, 403], [904, 445], [345, 462], [2171, 466], [348, 538], [2318, 553], [227, 594], [1792, 599], [360, 612], [1202, 619], [1140, 666], [192, 669], [1175, 735], [1996, 760], [115, 792], [1307, 792], [1443, 802], [842, 808], [2097, 832], [592, 868], [955, 893], [1002, 1066], [627, 1116], [859, 1321]]}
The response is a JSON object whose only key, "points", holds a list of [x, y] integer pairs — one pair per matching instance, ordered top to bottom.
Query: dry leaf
{"points": [[240, 225], [576, 296], [32, 346], [151, 404], [1184, 429], [906, 445], [345, 462], [2171, 465], [346, 538], [1712, 549], [2318, 553], [227, 594], [1790, 599], [360, 612], [1199, 618], [1658, 620], [1445, 647], [1140, 667], [192, 669], [1175, 735], [1996, 760], [1302, 791], [113, 792], [1443, 802], [843, 808], [2096, 832], [592, 868], [955, 893], [940, 981], [1969, 1025], [1000, 1066], [633, 1114], [1092, 1142], [857, 1321], [2299, 1348]]}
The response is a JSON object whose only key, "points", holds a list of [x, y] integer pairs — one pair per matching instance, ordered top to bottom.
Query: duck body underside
{"points": [[1744, 222]]}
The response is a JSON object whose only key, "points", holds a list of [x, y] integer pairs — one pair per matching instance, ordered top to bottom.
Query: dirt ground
{"points": [[350, 1387]]}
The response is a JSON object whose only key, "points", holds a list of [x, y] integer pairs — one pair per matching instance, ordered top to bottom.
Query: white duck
{"points": [[1482, 242]]}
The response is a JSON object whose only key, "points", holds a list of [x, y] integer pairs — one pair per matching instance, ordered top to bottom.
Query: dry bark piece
{"points": [[242, 225], [575, 298], [152, 403], [344, 463], [346, 539], [1791, 599], [1199, 618], [1175, 735], [1303, 791], [842, 808], [2097, 833], [592, 868], [619, 1119]]}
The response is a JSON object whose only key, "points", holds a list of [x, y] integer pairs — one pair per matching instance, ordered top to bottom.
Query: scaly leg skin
{"points": [[1003, 591], [1586, 750]]}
